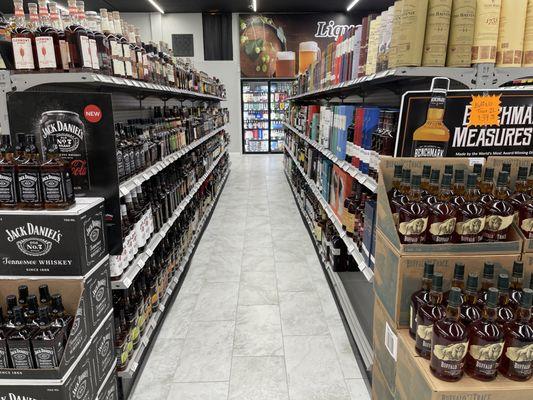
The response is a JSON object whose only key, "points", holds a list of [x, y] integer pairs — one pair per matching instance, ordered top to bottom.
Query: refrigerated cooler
{"points": [[264, 107]]}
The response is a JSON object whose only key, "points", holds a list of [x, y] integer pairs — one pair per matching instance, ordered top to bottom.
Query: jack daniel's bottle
{"points": [[431, 139], [55, 176], [28, 177], [8, 192]]}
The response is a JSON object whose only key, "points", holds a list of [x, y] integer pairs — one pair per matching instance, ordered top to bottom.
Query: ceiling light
{"points": [[352, 4], [254, 5], [157, 6]]}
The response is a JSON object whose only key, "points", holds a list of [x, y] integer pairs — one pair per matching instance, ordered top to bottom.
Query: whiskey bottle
{"points": [[86, 20], [56, 24], [121, 40], [22, 41], [78, 41], [47, 42], [103, 48], [117, 61], [431, 139], [478, 169], [426, 175], [55, 176], [28, 177], [8, 187], [459, 187], [486, 187], [433, 189], [520, 196], [399, 198], [500, 212], [442, 214], [470, 215], [413, 216], [525, 218], [338, 254], [457, 281], [486, 283], [515, 292], [44, 296], [23, 297], [420, 297], [11, 302], [32, 310], [505, 310], [470, 312], [427, 315], [59, 316], [18, 341], [449, 342], [486, 342], [47, 343], [121, 349], [517, 359]]}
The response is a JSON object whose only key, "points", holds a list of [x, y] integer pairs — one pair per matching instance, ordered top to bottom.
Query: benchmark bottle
{"points": [[431, 139], [8, 188], [500, 212], [442, 214], [471, 215], [413, 216], [420, 297], [470, 312], [427, 315], [449, 342], [486, 342], [517, 359]]}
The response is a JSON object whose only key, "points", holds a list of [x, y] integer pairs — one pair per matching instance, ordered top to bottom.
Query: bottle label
{"points": [[85, 51], [45, 52], [23, 53], [65, 53], [94, 54], [118, 67], [129, 69], [426, 148], [7, 187], [29, 187], [53, 191], [496, 223], [526, 225], [472, 226], [414, 228], [441, 231], [335, 251], [423, 337], [45, 357], [487, 357], [21, 358], [451, 358], [521, 359]]}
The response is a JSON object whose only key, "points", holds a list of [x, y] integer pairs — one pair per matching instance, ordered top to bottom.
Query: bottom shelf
{"points": [[343, 285]]}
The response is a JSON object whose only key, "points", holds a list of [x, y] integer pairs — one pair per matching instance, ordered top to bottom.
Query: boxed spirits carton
{"points": [[385, 345], [380, 389]]}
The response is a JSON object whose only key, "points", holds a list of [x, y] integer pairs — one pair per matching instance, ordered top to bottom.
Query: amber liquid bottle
{"points": [[56, 24], [23, 41], [78, 41], [47, 42], [426, 174], [55, 175], [29, 178], [396, 181], [8, 187], [459, 187], [486, 187], [433, 188], [520, 195], [401, 199], [500, 213], [442, 214], [471, 215], [413, 216], [526, 219], [457, 281], [486, 283], [515, 292], [420, 297], [505, 310], [470, 312], [427, 315], [449, 342], [486, 342], [517, 359]]}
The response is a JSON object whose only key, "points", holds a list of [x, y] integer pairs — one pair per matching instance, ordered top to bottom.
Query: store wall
{"points": [[155, 26]]}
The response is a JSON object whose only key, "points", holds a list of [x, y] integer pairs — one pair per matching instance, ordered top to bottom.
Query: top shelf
{"points": [[481, 76], [27, 81]]}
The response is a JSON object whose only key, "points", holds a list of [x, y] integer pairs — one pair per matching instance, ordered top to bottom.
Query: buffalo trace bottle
{"points": [[426, 174], [29, 177], [55, 177], [459, 187], [486, 187], [8, 188], [433, 188], [520, 195], [399, 198], [500, 212], [442, 214], [471, 215], [413, 216], [526, 219], [457, 281], [486, 282], [515, 292], [420, 297], [505, 310], [470, 312], [427, 315], [449, 342], [486, 342], [517, 359]]}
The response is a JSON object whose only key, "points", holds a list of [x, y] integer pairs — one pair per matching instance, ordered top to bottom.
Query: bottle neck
{"points": [[437, 106], [521, 186], [487, 187], [501, 192], [415, 194], [445, 194], [471, 194], [458, 283], [486, 283], [516, 283], [426, 284], [471, 297], [435, 298], [504, 298], [453, 312], [491, 313]]}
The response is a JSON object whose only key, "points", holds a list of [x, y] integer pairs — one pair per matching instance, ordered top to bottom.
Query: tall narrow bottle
{"points": [[55, 22], [22, 41], [78, 41], [47, 42], [29, 177], [55, 177], [8, 186], [486, 187], [433, 188], [520, 196], [500, 212], [442, 214], [471, 215], [413, 216], [457, 281], [486, 283], [515, 292], [420, 297], [505, 311], [470, 312], [427, 315]]}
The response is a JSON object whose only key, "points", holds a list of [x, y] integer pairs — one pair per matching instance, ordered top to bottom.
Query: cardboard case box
{"points": [[53, 243], [385, 345], [414, 380], [380, 389], [109, 390]]}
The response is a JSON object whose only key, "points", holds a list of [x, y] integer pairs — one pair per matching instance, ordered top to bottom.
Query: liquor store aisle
{"points": [[255, 318]]}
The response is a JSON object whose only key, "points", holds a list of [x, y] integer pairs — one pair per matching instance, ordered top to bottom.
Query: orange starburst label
{"points": [[485, 110]]}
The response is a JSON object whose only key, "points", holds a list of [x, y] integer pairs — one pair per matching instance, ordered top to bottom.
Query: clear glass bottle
{"points": [[87, 19], [55, 21], [117, 56], [126, 56], [487, 187], [471, 215], [517, 277], [457, 281], [486, 283], [505, 310], [427, 315]]}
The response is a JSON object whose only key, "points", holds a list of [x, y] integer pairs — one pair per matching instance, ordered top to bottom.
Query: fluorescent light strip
{"points": [[352, 4], [254, 5], [157, 6]]}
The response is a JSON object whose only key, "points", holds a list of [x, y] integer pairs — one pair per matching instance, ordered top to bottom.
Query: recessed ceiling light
{"points": [[352, 4], [254, 5], [157, 6]]}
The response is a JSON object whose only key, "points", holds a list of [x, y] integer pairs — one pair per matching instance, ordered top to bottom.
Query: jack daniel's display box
{"points": [[53, 243]]}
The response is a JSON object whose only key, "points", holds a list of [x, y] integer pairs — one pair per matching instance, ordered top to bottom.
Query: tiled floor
{"points": [[255, 319]]}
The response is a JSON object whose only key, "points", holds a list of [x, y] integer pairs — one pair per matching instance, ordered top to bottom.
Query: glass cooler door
{"points": [[279, 108], [255, 116]]}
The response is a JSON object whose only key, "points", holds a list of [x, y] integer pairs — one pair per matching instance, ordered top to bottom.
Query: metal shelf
{"points": [[143, 176], [362, 178], [350, 245], [138, 263]]}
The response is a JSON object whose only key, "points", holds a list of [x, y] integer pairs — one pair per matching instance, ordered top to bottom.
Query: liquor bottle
{"points": [[89, 23], [56, 24], [23, 41], [78, 41], [47, 42], [103, 47], [459, 52], [126, 56], [117, 60], [431, 139], [478, 169], [426, 175], [55, 176], [28, 177], [8, 187], [459, 187], [486, 187], [433, 189], [520, 196], [400, 198], [500, 212], [442, 214], [348, 215], [470, 215], [413, 216], [525, 217], [338, 254], [457, 281], [486, 283], [515, 292], [23, 296], [44, 296], [420, 297], [11, 302], [32, 310], [505, 311], [470, 312], [427, 315], [59, 316], [5, 331], [19, 341], [486, 342], [47, 343], [449, 343], [121, 350], [517, 361]]}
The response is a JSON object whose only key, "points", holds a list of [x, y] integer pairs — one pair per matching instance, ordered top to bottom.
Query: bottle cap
{"points": [[440, 83], [506, 167], [448, 169], [477, 169], [426, 171], [522, 174], [406, 175], [435, 175], [459, 175], [503, 178], [416, 180], [446, 181], [471, 181], [429, 267], [518, 269], [488, 270], [459, 271], [437, 282], [471, 282], [503, 282], [23, 292], [44, 293], [492, 297], [454, 298], [527, 299], [11, 301], [32, 302]]}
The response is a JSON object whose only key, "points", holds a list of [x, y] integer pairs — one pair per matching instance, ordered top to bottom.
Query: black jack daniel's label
{"points": [[8, 187], [29, 187], [56, 187], [34, 240]]}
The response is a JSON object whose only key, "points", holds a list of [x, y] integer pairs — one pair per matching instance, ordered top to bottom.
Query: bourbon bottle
{"points": [[56, 24], [23, 41], [78, 41], [122, 41], [47, 42], [103, 50], [93, 52], [117, 57], [426, 174], [55, 175], [29, 177], [396, 181], [8, 186], [486, 187], [433, 189], [520, 197], [400, 198], [500, 212], [442, 214], [471, 215], [413, 216], [526, 219], [457, 281], [486, 283], [515, 292], [420, 297], [505, 310], [470, 312], [427, 315], [449, 342], [486, 342], [517, 359]]}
